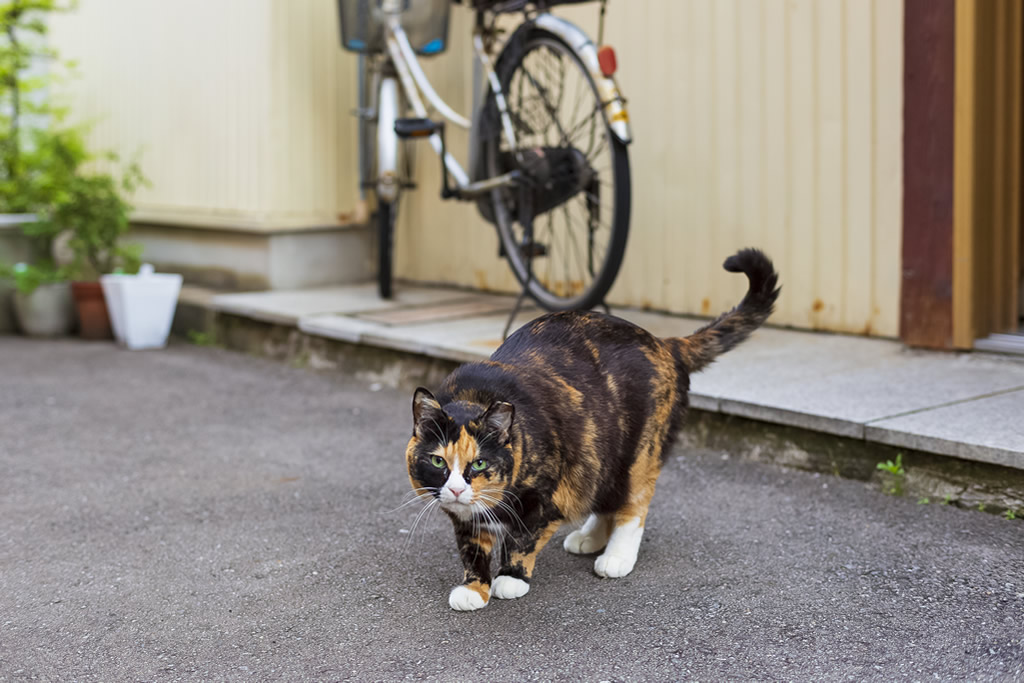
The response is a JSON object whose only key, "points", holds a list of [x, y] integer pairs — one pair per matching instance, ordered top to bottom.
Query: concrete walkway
{"points": [[968, 405]]}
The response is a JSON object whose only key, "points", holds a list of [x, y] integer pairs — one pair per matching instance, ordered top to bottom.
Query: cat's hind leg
{"points": [[591, 537], [619, 556]]}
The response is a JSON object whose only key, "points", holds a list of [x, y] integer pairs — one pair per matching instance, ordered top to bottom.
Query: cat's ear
{"points": [[424, 408], [498, 420]]}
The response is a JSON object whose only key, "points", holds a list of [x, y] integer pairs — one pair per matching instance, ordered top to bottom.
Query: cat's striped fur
{"points": [[570, 420]]}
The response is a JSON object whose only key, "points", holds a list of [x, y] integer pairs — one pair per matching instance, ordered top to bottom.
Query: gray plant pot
{"points": [[14, 247], [47, 312]]}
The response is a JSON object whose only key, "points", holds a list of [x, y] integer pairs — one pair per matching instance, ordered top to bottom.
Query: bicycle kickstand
{"points": [[526, 219]]}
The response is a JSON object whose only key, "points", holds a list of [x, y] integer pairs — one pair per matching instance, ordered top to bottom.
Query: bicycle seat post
{"points": [[422, 128]]}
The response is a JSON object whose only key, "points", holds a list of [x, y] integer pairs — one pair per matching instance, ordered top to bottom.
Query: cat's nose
{"points": [[455, 491]]}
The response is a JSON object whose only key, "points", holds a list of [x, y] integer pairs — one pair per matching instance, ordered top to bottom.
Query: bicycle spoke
{"points": [[551, 111], [577, 127], [583, 269]]}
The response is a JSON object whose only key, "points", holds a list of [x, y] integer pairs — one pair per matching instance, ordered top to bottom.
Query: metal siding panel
{"points": [[630, 28], [750, 37], [207, 120], [775, 124], [859, 153], [775, 159], [802, 167], [887, 167], [724, 169], [659, 214], [678, 216], [829, 219], [701, 231]]}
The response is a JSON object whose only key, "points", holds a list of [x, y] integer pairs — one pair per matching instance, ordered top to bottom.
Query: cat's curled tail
{"points": [[699, 349]]}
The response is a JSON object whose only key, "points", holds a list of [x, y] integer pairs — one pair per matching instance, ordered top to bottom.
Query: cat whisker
{"points": [[416, 492], [506, 492], [499, 494], [485, 495], [417, 497], [433, 504], [477, 508], [513, 514], [476, 521], [491, 521], [498, 529], [499, 533]]}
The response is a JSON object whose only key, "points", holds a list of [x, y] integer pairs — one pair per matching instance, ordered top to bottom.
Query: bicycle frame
{"points": [[414, 82]]}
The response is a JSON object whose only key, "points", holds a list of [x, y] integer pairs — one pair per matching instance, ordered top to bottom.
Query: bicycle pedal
{"points": [[417, 128]]}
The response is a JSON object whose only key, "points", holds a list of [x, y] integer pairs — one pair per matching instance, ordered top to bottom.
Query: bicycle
{"points": [[547, 145]]}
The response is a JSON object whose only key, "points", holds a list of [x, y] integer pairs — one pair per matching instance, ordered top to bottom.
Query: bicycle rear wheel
{"points": [[580, 209]]}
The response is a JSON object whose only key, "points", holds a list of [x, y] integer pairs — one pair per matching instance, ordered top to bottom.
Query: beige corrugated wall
{"points": [[239, 110], [774, 123]]}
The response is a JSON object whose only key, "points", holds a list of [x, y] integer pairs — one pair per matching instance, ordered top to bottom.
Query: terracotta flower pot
{"points": [[93, 319]]}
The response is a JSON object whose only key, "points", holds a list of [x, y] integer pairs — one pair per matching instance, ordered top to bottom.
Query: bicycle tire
{"points": [[386, 212], [552, 290]]}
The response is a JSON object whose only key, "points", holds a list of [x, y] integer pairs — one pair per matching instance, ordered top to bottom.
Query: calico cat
{"points": [[571, 419]]}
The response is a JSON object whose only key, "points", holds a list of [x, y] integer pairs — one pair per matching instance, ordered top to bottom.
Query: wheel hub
{"points": [[554, 175]]}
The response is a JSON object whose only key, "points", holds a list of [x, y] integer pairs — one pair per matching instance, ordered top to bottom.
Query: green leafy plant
{"points": [[22, 46], [27, 119], [45, 164], [92, 208], [28, 277], [200, 338], [893, 467], [896, 475], [1010, 513]]}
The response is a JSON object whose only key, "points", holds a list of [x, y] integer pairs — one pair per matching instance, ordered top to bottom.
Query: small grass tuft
{"points": [[200, 338], [893, 484]]}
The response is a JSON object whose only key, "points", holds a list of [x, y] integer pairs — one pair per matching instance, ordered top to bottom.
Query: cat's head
{"points": [[461, 453]]}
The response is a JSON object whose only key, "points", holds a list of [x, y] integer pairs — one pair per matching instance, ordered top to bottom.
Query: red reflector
{"points": [[606, 58]]}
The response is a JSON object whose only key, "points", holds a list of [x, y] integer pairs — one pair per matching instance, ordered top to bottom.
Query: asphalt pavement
{"points": [[197, 514]]}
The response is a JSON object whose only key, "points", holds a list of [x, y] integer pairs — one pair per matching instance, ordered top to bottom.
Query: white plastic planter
{"points": [[141, 306]]}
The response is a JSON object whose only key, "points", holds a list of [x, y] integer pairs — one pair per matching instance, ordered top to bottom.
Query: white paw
{"points": [[581, 543], [614, 566], [509, 587], [465, 599]]}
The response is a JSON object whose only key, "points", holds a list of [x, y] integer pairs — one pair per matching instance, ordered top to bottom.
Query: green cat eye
{"points": [[437, 461], [479, 464]]}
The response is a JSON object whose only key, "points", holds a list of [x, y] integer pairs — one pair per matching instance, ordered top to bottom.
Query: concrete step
{"points": [[233, 258], [966, 405]]}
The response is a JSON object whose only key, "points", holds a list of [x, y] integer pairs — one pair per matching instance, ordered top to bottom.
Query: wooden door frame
{"points": [[961, 170], [926, 296]]}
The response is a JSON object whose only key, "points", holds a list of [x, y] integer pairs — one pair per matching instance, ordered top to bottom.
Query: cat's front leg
{"points": [[475, 551], [518, 557]]}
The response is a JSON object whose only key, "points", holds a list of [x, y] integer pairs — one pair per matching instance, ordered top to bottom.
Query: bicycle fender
{"points": [[614, 109]]}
